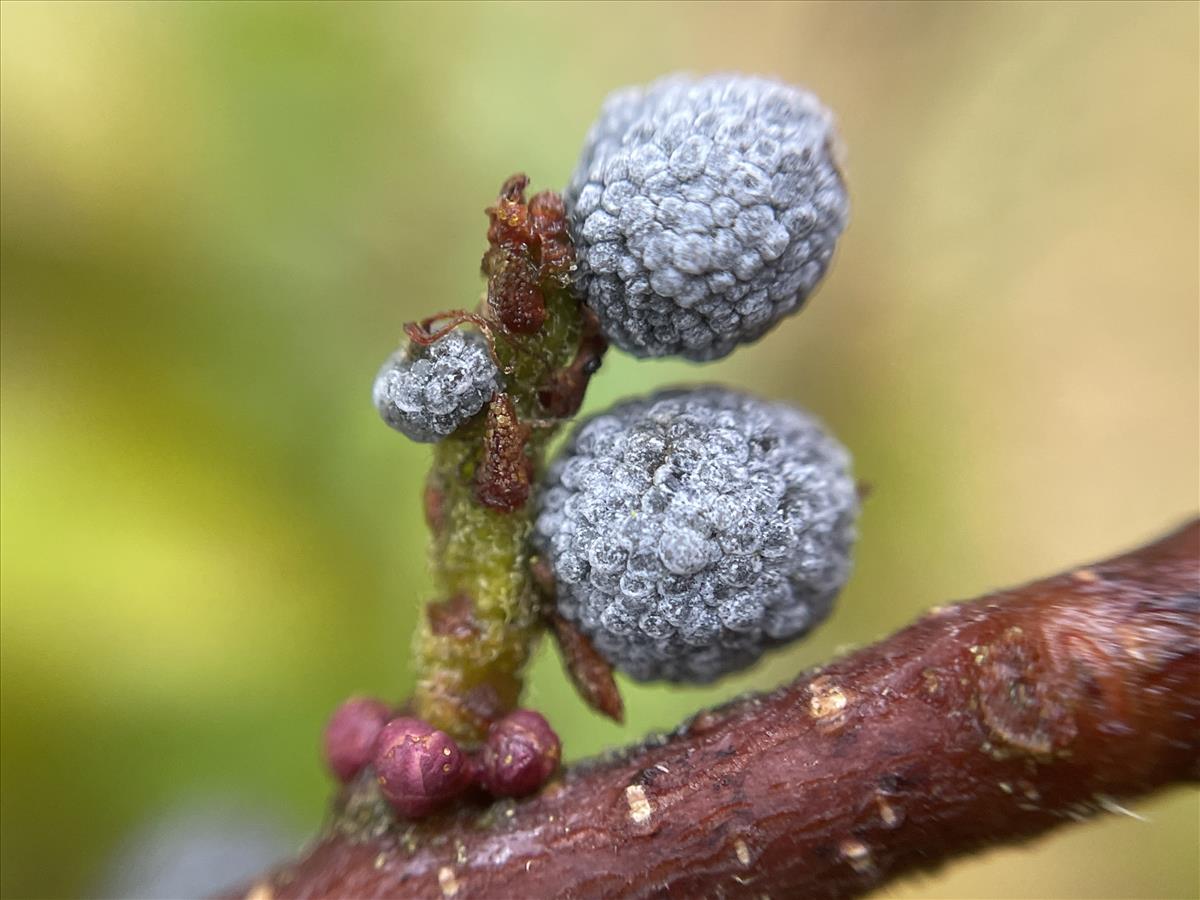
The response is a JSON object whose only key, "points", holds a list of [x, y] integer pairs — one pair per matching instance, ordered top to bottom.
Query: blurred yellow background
{"points": [[216, 218]]}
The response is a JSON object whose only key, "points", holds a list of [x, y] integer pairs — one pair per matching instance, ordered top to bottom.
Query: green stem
{"points": [[472, 646]]}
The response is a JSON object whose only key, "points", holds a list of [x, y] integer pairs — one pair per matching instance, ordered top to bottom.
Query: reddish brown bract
{"points": [[529, 251], [555, 253], [562, 394], [505, 472], [435, 506], [453, 618], [590, 672]]}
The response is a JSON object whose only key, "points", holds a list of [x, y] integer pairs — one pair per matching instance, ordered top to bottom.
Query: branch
{"points": [[983, 723]]}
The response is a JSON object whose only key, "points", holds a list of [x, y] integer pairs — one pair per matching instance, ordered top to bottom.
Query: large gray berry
{"points": [[703, 212], [429, 392], [691, 530]]}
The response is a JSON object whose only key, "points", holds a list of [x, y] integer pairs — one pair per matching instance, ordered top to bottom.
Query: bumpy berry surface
{"points": [[703, 211], [427, 393], [691, 530]]}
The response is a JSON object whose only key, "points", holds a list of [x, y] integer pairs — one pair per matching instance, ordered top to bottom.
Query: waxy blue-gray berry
{"points": [[703, 212], [429, 392], [691, 530]]}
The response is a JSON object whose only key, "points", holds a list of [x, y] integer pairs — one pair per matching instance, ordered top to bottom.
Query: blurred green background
{"points": [[216, 218]]}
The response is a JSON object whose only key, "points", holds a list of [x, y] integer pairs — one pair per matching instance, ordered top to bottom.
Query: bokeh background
{"points": [[216, 218]]}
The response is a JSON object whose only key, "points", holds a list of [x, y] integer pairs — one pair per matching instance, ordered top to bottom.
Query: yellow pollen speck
{"points": [[1087, 576], [826, 698], [445, 751], [639, 806], [742, 851], [447, 882], [261, 892]]}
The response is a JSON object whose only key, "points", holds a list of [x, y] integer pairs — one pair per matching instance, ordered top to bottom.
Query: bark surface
{"points": [[983, 723]]}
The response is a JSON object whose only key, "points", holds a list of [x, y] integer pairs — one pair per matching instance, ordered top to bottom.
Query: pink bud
{"points": [[351, 733], [521, 753], [419, 768]]}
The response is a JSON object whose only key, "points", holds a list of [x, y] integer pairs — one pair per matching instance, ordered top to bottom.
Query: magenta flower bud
{"points": [[351, 733], [521, 753], [419, 768]]}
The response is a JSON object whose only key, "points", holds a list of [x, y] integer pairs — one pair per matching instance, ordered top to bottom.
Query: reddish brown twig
{"points": [[983, 723]]}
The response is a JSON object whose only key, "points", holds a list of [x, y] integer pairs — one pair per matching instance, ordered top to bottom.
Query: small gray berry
{"points": [[703, 212], [429, 392], [691, 530]]}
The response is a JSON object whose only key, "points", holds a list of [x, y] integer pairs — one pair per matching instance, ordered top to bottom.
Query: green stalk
{"points": [[472, 646]]}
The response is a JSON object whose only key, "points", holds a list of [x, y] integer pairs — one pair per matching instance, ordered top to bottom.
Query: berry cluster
{"points": [[703, 212], [429, 392], [692, 529], [682, 534], [419, 768]]}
